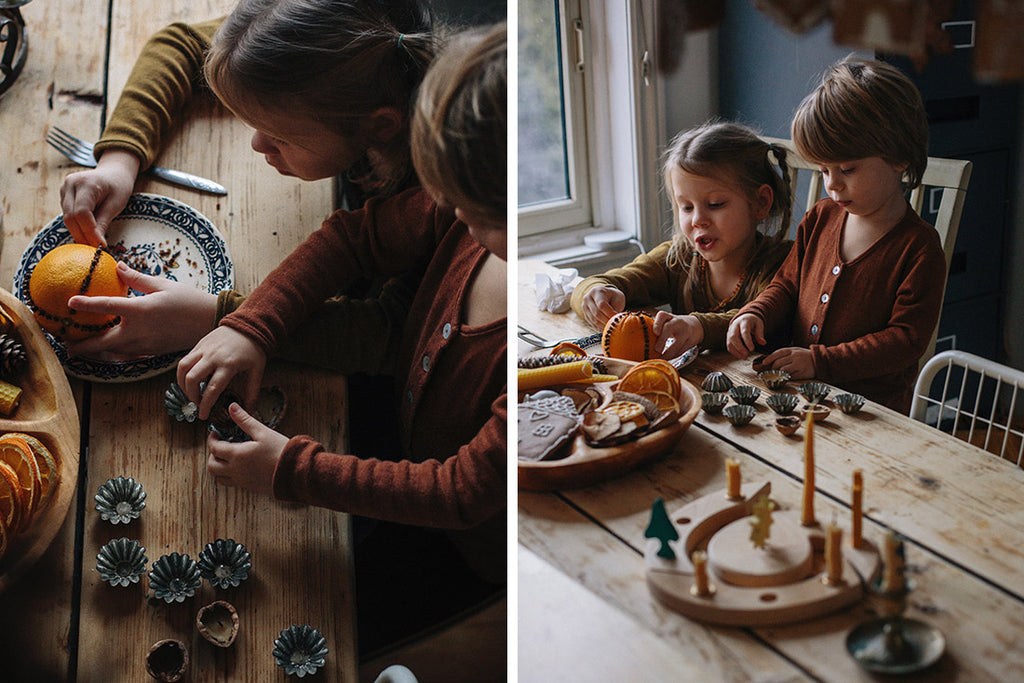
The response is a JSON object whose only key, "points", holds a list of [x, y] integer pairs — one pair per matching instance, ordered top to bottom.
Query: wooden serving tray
{"points": [[48, 412], [586, 465]]}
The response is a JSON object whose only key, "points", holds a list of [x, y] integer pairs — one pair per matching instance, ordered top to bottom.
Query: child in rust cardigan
{"points": [[858, 297]]}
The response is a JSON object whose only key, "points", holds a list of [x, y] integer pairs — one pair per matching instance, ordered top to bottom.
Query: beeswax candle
{"points": [[732, 471], [857, 509], [807, 512], [834, 555], [701, 585]]}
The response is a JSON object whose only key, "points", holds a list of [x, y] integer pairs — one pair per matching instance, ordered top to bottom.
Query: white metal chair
{"points": [[944, 183], [974, 399]]}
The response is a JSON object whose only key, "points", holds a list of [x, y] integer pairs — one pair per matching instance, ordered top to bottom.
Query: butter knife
{"points": [[187, 180]]}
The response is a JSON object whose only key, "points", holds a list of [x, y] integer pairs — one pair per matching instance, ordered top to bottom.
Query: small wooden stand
{"points": [[780, 583]]}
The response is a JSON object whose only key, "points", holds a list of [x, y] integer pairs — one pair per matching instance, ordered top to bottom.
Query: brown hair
{"points": [[336, 61], [864, 108], [459, 130], [734, 154]]}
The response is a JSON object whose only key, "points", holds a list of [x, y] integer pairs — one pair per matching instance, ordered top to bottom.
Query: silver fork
{"points": [[80, 152]]}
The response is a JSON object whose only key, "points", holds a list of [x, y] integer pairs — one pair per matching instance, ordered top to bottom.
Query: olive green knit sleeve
{"points": [[164, 78], [646, 281]]}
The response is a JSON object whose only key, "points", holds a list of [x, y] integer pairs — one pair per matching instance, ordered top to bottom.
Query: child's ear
{"points": [[384, 124], [765, 196]]}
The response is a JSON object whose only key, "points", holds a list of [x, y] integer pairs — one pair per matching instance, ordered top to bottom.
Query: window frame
{"points": [[622, 139]]}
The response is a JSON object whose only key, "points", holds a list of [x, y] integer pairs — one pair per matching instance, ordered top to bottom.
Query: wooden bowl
{"points": [[48, 412], [586, 465]]}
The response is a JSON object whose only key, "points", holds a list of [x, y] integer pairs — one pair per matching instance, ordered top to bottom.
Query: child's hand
{"points": [[91, 199], [601, 303], [171, 317], [676, 333], [745, 333], [216, 359], [796, 360], [250, 464]]}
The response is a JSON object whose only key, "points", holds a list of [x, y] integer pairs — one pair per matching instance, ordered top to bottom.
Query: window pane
{"points": [[543, 165]]}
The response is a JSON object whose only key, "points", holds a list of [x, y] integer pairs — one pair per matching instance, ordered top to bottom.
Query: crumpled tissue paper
{"points": [[553, 293]]}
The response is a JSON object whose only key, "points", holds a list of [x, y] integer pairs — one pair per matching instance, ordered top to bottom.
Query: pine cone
{"points": [[12, 356], [547, 361]]}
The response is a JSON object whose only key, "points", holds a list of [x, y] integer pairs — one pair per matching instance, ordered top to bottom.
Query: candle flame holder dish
{"points": [[774, 379], [716, 381], [814, 392], [744, 394], [713, 402], [849, 403], [783, 404], [739, 414], [120, 500], [121, 562], [224, 563], [174, 577], [218, 623], [895, 645], [300, 650], [167, 660]]}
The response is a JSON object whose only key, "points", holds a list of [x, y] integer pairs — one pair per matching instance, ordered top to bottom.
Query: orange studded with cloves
{"points": [[629, 335]]}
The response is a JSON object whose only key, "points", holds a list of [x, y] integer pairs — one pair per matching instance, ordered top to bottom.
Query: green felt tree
{"points": [[662, 528]]}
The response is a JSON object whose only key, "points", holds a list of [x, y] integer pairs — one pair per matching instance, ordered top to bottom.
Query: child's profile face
{"points": [[303, 147], [865, 187], [716, 218]]}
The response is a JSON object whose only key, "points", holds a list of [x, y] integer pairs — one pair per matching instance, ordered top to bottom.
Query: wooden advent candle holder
{"points": [[780, 583]]}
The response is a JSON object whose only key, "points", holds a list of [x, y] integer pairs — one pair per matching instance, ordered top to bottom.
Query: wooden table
{"points": [[585, 609], [60, 622]]}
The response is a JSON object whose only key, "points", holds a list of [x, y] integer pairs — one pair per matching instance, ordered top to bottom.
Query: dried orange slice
{"points": [[569, 348], [644, 378], [663, 400], [18, 454], [49, 470], [10, 499]]}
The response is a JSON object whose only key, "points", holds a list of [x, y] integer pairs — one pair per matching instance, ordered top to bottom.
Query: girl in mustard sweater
{"points": [[730, 210]]}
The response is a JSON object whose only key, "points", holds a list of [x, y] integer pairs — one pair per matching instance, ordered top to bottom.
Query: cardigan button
{"points": [[835, 270], [824, 298], [814, 330], [446, 331], [426, 363], [408, 397]]}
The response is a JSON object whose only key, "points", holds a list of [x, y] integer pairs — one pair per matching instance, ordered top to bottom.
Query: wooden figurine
{"points": [[661, 528]]}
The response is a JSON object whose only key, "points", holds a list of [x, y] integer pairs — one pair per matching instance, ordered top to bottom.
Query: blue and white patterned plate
{"points": [[155, 235]]}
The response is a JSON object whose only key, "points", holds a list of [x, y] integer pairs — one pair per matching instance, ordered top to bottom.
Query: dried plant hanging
{"points": [[797, 16], [894, 26], [999, 50]]}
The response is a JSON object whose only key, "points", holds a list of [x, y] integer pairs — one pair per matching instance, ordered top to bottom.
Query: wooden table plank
{"points": [[62, 81], [296, 551], [300, 555], [614, 571], [603, 643]]}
